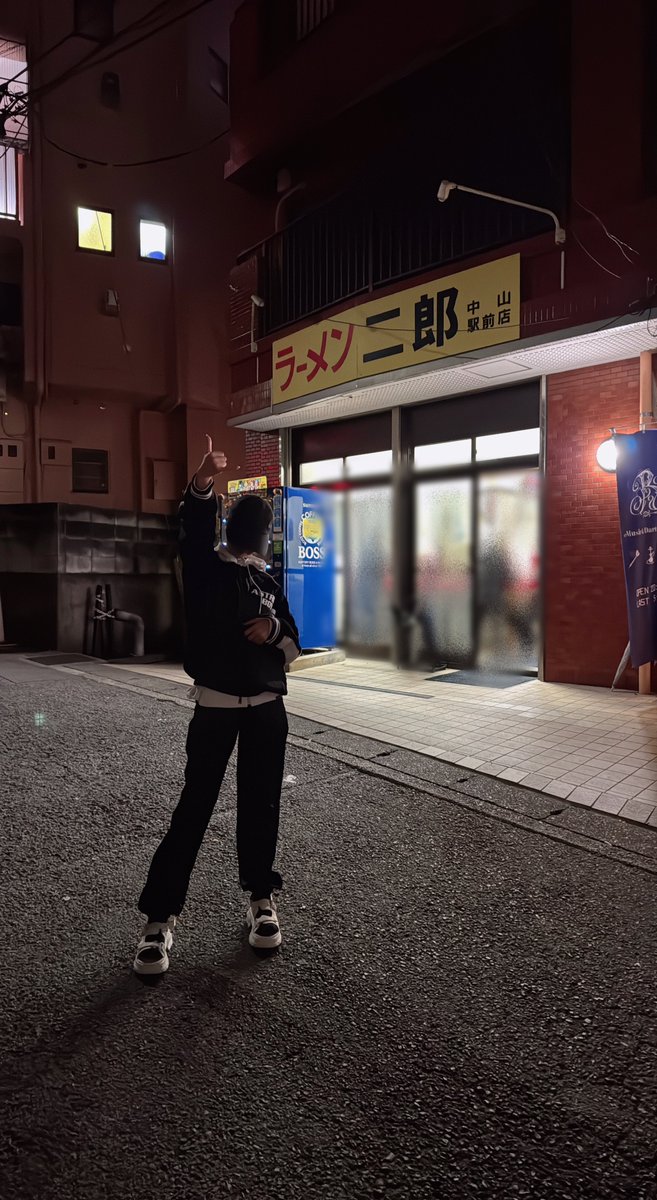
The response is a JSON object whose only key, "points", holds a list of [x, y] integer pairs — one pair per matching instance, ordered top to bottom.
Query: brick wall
{"points": [[262, 456], [585, 609]]}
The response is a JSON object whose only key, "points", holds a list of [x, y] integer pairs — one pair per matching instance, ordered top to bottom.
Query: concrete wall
{"points": [[53, 556]]}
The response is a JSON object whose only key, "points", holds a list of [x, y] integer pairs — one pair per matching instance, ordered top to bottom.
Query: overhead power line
{"points": [[108, 51], [144, 162]]}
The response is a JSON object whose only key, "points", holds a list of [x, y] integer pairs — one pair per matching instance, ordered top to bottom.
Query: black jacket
{"points": [[220, 595]]}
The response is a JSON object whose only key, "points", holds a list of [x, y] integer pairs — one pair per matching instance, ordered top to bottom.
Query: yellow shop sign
{"points": [[446, 317]]}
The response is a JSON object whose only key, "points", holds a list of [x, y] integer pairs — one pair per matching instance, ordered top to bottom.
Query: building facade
{"points": [[117, 237], [446, 361]]}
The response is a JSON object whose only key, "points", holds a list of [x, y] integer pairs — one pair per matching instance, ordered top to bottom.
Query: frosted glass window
{"points": [[95, 230], [153, 240], [518, 444], [443, 454], [360, 466], [326, 471], [508, 569], [443, 570], [369, 597]]}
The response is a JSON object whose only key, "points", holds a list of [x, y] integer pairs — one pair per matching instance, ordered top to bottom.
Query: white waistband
{"points": [[207, 698]]}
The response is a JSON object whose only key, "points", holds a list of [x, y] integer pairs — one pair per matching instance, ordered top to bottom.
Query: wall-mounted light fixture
{"points": [[446, 188], [605, 455]]}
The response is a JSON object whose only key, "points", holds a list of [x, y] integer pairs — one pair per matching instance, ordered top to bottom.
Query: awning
{"points": [[529, 359]]}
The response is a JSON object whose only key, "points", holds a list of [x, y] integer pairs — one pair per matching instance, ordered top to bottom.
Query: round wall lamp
{"points": [[605, 455]]}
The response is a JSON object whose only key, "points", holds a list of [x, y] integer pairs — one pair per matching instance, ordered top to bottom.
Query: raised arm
{"points": [[198, 513]]}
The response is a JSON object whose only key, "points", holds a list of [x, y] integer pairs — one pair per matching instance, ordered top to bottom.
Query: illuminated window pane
{"points": [[95, 230], [153, 240], [520, 443], [443, 454], [362, 466], [327, 471]]}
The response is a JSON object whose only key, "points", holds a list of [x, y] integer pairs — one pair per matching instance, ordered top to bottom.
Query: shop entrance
{"points": [[476, 512], [467, 558], [477, 570]]}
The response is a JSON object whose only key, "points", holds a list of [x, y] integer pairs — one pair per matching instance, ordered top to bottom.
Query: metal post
{"points": [[645, 415], [285, 452], [542, 467], [401, 548]]}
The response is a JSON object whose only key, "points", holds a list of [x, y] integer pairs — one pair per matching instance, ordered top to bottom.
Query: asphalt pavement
{"points": [[464, 1005]]}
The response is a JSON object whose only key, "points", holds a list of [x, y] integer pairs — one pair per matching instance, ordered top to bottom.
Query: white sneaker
{"points": [[262, 920], [152, 957]]}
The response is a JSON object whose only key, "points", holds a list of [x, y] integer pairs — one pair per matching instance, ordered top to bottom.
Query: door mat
{"points": [[479, 679]]}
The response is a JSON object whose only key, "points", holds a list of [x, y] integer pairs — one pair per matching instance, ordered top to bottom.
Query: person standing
{"points": [[240, 637]]}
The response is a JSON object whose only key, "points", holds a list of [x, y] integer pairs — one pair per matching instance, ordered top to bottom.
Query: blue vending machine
{"points": [[301, 558], [303, 561]]}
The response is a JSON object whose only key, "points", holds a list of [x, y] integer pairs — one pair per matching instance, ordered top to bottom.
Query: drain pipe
{"points": [[283, 200], [136, 625]]}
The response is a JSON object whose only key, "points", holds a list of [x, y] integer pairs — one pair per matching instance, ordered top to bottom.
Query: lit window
{"points": [[95, 230], [153, 240], [522, 443], [443, 454], [361, 466], [328, 470]]}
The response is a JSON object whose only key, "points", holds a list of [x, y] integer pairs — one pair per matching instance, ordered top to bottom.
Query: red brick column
{"points": [[262, 456], [585, 608]]}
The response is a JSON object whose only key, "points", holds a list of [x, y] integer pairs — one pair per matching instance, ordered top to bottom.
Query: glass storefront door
{"points": [[507, 569], [477, 570], [443, 571], [368, 575]]}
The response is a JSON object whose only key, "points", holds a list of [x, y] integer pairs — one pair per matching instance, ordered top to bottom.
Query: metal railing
{"points": [[310, 14], [286, 23], [355, 244]]}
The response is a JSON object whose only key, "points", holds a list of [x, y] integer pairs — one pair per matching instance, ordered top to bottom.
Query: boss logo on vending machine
{"points": [[311, 538]]}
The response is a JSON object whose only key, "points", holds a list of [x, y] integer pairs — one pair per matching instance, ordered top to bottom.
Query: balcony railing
{"points": [[310, 14], [285, 23], [354, 245]]}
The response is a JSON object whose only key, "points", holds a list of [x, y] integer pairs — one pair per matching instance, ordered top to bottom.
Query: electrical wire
{"points": [[101, 46], [39, 58], [90, 60], [30, 97], [144, 162], [622, 246], [593, 258], [512, 325], [467, 356]]}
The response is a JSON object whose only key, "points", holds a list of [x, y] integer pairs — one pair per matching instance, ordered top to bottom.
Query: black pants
{"points": [[261, 734]]}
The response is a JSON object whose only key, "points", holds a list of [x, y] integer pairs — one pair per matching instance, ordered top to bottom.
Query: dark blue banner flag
{"points": [[636, 478]]}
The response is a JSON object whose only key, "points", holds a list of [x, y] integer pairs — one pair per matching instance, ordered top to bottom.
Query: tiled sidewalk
{"points": [[585, 745]]}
